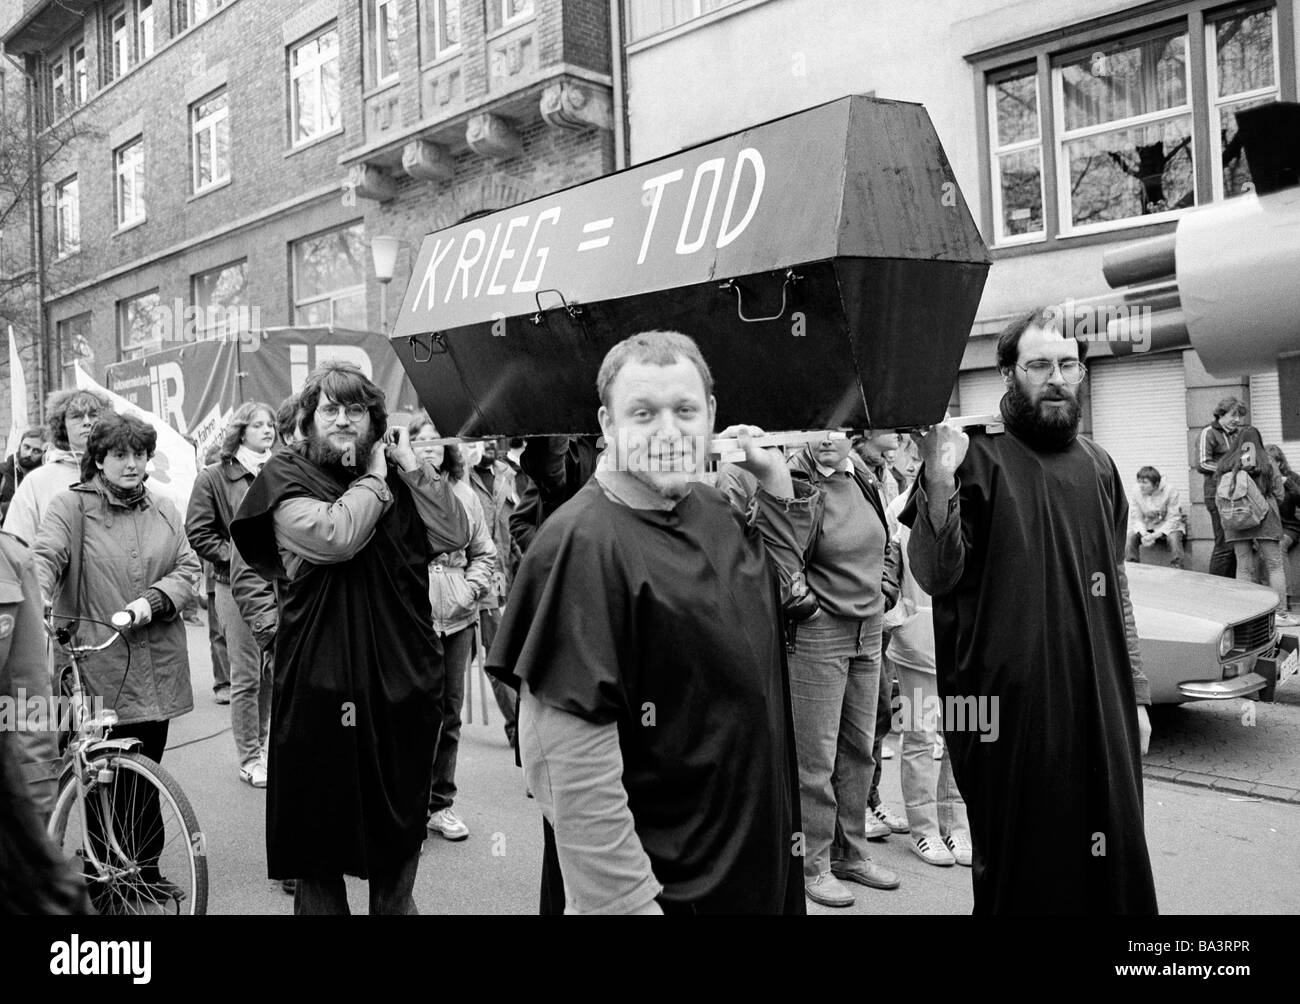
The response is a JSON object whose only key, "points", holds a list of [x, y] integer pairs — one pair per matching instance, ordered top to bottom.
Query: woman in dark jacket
{"points": [[1250, 456], [218, 490]]}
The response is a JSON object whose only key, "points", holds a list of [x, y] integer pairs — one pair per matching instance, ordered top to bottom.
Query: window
{"points": [[191, 12], [649, 17], [442, 27], [144, 29], [382, 29], [119, 44], [1242, 61], [80, 84], [314, 86], [58, 89], [1117, 112], [210, 141], [129, 170], [67, 217], [329, 278], [219, 295], [138, 324], [74, 336]]}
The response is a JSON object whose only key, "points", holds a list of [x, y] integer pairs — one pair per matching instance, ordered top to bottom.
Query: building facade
{"points": [[1071, 129], [233, 159]]}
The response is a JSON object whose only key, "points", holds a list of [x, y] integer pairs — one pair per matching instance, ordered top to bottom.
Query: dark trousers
{"points": [[1223, 559], [489, 621], [217, 643], [455, 657], [884, 721], [137, 818], [391, 892], [552, 895]]}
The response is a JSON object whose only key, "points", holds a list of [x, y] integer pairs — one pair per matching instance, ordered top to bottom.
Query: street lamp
{"points": [[383, 251]]}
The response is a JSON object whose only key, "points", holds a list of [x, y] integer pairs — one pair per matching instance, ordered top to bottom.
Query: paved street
{"points": [[1213, 851]]}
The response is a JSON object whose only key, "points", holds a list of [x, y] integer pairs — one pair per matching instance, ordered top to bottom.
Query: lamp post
{"points": [[383, 252]]}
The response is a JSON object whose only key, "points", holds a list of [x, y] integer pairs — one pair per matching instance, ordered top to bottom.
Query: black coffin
{"points": [[825, 262]]}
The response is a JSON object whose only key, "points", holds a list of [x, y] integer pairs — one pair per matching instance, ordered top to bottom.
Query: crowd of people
{"points": [[697, 668]]}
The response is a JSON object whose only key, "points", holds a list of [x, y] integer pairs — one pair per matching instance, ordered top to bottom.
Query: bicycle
{"points": [[118, 815]]}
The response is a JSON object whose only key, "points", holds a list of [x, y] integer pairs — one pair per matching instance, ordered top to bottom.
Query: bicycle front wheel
{"points": [[134, 836]]}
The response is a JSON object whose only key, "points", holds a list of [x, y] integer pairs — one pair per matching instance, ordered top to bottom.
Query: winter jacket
{"points": [[60, 472], [1273, 488], [215, 499], [497, 505], [1161, 512], [122, 551], [458, 580], [256, 599], [911, 621]]}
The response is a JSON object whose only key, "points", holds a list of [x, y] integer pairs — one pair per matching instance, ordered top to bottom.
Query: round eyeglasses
{"points": [[1040, 370], [355, 412]]}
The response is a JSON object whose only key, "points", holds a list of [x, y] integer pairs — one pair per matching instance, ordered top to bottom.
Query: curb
{"points": [[1229, 785]]}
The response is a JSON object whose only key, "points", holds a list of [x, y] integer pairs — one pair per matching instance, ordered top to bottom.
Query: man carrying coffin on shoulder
{"points": [[645, 632]]}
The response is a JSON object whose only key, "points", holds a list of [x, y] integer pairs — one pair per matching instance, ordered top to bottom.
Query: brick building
{"points": [[239, 156]]}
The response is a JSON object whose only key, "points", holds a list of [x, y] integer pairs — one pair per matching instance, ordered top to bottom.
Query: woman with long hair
{"points": [[1249, 455], [218, 491], [1289, 510], [457, 582]]}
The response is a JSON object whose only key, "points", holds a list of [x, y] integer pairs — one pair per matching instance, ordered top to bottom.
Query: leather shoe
{"points": [[867, 873], [827, 890]]}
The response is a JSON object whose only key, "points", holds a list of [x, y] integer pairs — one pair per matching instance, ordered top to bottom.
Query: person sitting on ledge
{"points": [[1156, 515]]}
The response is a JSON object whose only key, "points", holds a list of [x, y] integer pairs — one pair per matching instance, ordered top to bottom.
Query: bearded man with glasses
{"points": [[1019, 538]]}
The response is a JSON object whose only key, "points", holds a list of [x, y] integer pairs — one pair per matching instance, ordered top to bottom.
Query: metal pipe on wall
{"points": [[616, 66]]}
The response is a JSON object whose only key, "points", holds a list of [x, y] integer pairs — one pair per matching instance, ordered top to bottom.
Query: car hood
{"points": [[1195, 594]]}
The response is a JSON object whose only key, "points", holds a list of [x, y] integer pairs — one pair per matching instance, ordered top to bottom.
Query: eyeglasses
{"points": [[1040, 370], [355, 412]]}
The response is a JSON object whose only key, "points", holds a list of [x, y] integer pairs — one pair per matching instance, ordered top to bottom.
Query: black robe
{"points": [[668, 623], [1035, 623], [358, 685]]}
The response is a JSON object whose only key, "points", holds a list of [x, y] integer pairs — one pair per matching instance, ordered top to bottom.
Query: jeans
{"points": [[1288, 542], [1132, 551], [1271, 551], [1222, 558], [489, 621], [217, 644], [455, 659], [250, 680], [834, 687], [884, 725], [934, 805], [390, 892]]}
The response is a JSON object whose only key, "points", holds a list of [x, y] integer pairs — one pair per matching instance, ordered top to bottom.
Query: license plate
{"points": [[1290, 666]]}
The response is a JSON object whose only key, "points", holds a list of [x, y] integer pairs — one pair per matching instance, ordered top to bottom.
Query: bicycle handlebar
{"points": [[119, 622]]}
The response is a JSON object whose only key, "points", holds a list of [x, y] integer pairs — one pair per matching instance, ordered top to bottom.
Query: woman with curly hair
{"points": [[71, 415], [218, 491], [457, 582]]}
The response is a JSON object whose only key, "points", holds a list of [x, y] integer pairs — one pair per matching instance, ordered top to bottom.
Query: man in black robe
{"points": [[1019, 537], [645, 632], [358, 668]]}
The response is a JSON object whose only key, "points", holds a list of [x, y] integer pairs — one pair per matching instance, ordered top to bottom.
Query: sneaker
{"points": [[1287, 619], [221, 695], [261, 757], [253, 773], [895, 822], [447, 823], [876, 830], [959, 844], [932, 852], [866, 873], [290, 886], [827, 890]]}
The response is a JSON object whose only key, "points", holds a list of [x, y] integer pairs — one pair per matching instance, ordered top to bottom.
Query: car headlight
{"points": [[1225, 643]]}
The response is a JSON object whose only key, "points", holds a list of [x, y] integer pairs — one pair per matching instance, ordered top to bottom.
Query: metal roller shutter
{"points": [[980, 391], [1266, 415], [1139, 416]]}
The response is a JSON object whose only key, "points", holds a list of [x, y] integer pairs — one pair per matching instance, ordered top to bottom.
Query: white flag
{"points": [[17, 398], [174, 466]]}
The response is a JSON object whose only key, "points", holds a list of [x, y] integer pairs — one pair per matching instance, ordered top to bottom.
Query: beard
{"points": [[1051, 426], [354, 459], [30, 463]]}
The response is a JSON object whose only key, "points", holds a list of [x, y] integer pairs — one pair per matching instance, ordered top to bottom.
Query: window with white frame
{"points": [[191, 12], [649, 17], [144, 27], [442, 28], [382, 30], [119, 44], [1242, 62], [80, 83], [314, 86], [58, 88], [1120, 116], [210, 141], [128, 164], [67, 217], [329, 278], [221, 298], [138, 327]]}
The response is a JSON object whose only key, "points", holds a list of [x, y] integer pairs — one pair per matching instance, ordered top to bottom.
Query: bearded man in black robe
{"points": [[1019, 537], [644, 632], [358, 667]]}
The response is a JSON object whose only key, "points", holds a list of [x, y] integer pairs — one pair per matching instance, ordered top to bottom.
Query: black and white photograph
{"points": [[526, 458]]}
